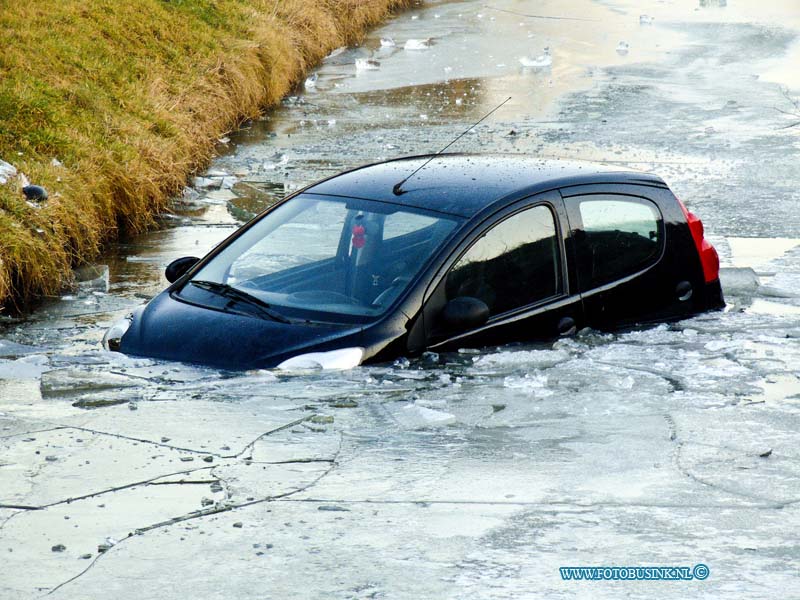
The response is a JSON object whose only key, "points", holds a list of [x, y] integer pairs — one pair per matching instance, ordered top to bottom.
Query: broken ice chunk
{"points": [[645, 20], [387, 42], [414, 44], [623, 48], [542, 61], [367, 64], [207, 183], [92, 277], [739, 281], [27, 367], [415, 416], [107, 545]]}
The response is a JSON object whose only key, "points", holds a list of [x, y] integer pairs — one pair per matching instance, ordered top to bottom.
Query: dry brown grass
{"points": [[131, 97]]}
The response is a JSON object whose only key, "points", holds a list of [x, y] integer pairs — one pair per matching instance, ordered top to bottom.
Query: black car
{"points": [[471, 250]]}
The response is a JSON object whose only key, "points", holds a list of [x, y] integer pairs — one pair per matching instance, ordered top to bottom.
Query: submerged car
{"points": [[432, 253]]}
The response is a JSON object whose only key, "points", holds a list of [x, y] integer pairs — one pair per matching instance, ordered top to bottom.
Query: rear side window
{"points": [[619, 236], [514, 264]]}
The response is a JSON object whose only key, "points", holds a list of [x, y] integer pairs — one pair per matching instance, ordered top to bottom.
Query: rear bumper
{"points": [[714, 299]]}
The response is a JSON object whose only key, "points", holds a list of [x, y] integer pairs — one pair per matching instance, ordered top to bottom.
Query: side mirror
{"points": [[176, 269], [465, 312]]}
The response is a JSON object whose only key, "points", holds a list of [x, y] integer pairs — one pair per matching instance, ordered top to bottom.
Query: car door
{"points": [[517, 264], [624, 275]]}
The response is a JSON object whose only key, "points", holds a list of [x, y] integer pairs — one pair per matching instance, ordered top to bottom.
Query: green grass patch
{"points": [[130, 98]]}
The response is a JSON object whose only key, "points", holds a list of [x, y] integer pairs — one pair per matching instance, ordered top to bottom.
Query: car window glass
{"points": [[402, 223], [311, 236], [620, 236], [327, 256], [516, 263]]}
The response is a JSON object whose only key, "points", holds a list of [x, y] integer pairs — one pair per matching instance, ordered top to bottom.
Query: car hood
{"points": [[174, 330]]}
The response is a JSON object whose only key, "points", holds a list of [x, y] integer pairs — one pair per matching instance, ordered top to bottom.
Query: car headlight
{"points": [[113, 337], [346, 358]]}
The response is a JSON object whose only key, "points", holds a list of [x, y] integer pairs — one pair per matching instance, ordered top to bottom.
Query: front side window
{"points": [[619, 237], [322, 258], [514, 264]]}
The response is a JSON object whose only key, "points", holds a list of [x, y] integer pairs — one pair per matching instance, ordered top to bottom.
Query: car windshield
{"points": [[324, 258]]}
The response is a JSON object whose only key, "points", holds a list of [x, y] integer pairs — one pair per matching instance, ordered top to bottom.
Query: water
{"points": [[474, 474]]}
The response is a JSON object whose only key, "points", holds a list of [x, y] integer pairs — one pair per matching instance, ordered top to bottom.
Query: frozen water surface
{"points": [[474, 474]]}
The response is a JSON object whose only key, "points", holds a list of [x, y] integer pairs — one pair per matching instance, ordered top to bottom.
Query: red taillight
{"points": [[707, 253]]}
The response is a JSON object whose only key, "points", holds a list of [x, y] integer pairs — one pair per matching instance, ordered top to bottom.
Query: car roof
{"points": [[464, 184]]}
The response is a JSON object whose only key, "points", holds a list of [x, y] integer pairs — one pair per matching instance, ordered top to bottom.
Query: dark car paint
{"points": [[485, 190], [651, 294], [536, 321]]}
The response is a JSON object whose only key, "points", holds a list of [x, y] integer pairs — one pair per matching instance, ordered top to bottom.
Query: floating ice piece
{"points": [[645, 20], [387, 42], [415, 44], [623, 48], [337, 52], [542, 61], [367, 64], [311, 81], [331, 122], [7, 171], [207, 183], [93, 277], [739, 281], [782, 285], [10, 349], [540, 359], [27, 367], [71, 381], [531, 382], [415, 416]]}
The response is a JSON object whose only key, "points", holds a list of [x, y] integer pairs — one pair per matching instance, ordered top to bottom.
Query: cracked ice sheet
{"points": [[200, 426], [563, 459], [67, 463], [81, 524], [445, 551], [304, 552], [29, 564]]}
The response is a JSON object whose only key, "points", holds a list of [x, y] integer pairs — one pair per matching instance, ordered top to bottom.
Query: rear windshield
{"points": [[326, 258]]}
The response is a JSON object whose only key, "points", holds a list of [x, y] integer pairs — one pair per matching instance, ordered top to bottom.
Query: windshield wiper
{"points": [[223, 289]]}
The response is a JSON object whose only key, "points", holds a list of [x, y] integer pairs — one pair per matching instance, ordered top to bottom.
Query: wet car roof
{"points": [[463, 184]]}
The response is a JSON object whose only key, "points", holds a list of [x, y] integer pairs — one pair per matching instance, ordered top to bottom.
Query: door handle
{"points": [[566, 326]]}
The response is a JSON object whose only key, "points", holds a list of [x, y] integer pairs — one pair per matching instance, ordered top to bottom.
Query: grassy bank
{"points": [[129, 98]]}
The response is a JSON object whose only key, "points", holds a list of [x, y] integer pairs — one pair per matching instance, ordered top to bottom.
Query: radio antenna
{"points": [[397, 190]]}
